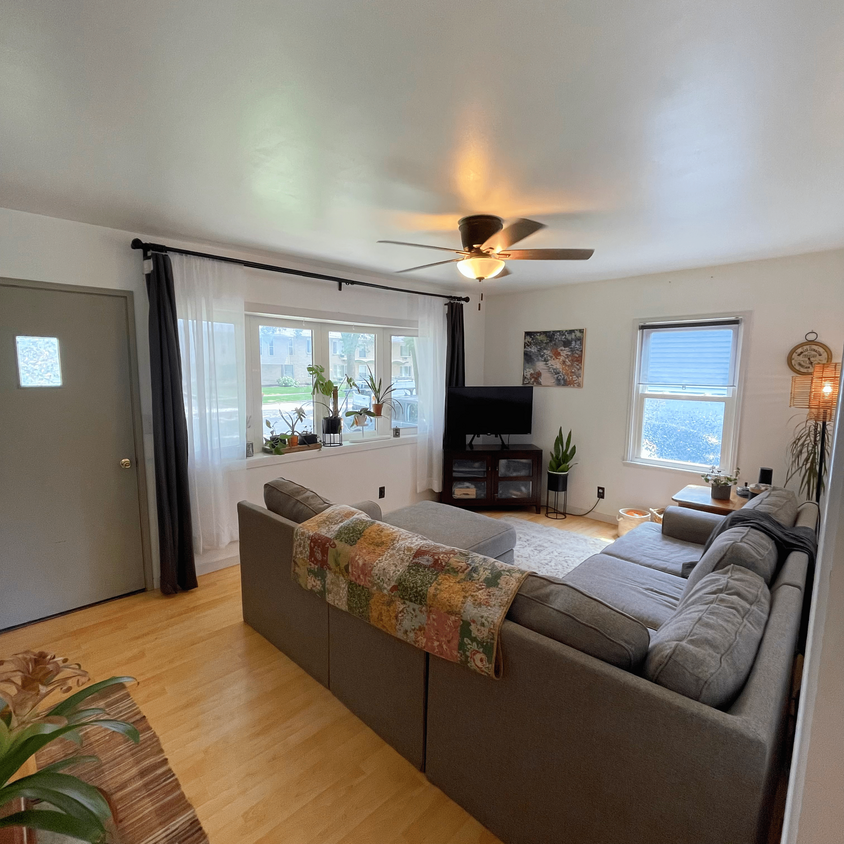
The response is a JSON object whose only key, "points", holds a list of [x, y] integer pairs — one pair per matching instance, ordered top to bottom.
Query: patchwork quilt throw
{"points": [[448, 602]]}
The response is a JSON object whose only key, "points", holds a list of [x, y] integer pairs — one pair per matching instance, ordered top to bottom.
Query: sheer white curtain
{"points": [[209, 306], [431, 353]]}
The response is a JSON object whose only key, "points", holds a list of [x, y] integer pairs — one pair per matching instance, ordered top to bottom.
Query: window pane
{"points": [[353, 354], [700, 357], [38, 362], [403, 374], [285, 384], [683, 431]]}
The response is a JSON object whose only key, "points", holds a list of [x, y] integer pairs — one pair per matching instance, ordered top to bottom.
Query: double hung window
{"points": [[685, 394]]}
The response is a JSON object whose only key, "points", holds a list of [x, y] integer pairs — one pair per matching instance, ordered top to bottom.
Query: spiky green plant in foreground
{"points": [[563, 454], [79, 810]]}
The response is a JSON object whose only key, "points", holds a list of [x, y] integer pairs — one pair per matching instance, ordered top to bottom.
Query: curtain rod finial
{"points": [[137, 243]]}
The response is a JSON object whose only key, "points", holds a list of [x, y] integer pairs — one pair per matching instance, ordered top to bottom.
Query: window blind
{"points": [[689, 354]]}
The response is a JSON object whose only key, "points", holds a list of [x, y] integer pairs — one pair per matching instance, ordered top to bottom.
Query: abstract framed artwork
{"points": [[554, 358]]}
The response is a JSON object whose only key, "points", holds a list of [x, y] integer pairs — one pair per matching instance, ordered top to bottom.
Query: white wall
{"points": [[47, 249], [785, 297], [815, 809]]}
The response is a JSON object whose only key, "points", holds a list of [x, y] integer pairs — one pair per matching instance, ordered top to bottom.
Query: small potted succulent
{"points": [[380, 394], [561, 462], [721, 483]]}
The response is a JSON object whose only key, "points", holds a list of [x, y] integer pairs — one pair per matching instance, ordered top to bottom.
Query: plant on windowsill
{"points": [[381, 396], [292, 419], [332, 425], [274, 443], [561, 462], [721, 483], [77, 809]]}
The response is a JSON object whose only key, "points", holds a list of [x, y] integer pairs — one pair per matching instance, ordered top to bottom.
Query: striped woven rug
{"points": [[148, 803]]}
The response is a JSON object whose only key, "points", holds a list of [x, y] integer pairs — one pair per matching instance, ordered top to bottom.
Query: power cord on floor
{"points": [[589, 510]]}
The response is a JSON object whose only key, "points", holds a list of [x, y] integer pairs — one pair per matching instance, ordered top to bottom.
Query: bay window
{"points": [[281, 349], [685, 395]]}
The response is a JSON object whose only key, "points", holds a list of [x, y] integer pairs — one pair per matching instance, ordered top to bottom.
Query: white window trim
{"points": [[321, 354], [732, 410]]}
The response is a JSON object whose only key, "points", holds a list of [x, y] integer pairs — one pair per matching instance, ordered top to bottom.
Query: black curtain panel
{"points": [[455, 364], [172, 492]]}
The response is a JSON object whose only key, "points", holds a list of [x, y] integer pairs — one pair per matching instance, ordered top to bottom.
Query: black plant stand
{"points": [[555, 512]]}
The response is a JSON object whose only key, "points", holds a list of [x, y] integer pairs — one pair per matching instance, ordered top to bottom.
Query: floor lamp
{"points": [[818, 393]]}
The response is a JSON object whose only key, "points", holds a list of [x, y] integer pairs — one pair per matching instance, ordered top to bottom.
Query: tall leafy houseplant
{"points": [[332, 425], [803, 457], [560, 463], [27, 679]]}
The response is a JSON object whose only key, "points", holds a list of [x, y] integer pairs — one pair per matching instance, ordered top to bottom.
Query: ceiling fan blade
{"points": [[516, 231], [424, 246], [548, 254], [425, 266]]}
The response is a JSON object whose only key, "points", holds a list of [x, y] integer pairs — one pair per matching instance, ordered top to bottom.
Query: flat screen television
{"points": [[487, 410]]}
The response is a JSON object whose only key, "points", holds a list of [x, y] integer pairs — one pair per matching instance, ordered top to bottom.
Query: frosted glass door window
{"points": [[39, 364]]}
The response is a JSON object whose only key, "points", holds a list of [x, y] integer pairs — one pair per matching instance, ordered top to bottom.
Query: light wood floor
{"points": [[264, 753]]}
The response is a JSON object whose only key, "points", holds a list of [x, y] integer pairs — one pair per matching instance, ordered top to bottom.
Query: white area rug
{"points": [[549, 550]]}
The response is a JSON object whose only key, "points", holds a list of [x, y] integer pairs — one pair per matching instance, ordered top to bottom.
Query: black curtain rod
{"points": [[137, 243]]}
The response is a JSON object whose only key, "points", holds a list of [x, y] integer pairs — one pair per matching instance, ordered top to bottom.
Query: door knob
{"points": [[125, 463]]}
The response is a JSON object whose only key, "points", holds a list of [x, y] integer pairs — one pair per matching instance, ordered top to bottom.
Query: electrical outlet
{"points": [[382, 491], [600, 492]]}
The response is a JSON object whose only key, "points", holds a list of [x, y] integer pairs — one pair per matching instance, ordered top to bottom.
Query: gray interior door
{"points": [[70, 517]]}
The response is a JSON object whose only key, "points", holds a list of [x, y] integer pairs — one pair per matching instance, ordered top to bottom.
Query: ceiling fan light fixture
{"points": [[480, 267]]}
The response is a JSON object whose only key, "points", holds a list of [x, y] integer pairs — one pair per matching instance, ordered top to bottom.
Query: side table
{"points": [[698, 497]]}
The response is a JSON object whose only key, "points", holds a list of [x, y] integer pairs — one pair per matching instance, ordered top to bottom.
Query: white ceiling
{"points": [[662, 133]]}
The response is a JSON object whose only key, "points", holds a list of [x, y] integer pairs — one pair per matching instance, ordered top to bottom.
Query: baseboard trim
{"points": [[220, 559]]}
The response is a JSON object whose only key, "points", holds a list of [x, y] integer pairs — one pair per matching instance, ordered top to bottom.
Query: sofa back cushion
{"points": [[293, 501], [779, 503], [738, 546], [571, 616], [706, 650]]}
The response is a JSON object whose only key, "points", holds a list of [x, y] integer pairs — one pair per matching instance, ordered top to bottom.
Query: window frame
{"points": [[321, 356], [731, 399]]}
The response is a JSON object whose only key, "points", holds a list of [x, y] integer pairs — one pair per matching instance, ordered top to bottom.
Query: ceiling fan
{"points": [[486, 247]]}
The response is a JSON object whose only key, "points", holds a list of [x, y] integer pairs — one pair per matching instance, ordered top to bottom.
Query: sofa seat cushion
{"points": [[293, 501], [779, 503], [456, 528], [647, 546], [738, 546], [648, 595], [563, 612], [706, 650]]}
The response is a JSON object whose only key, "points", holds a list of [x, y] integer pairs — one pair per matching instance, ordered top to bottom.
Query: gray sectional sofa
{"points": [[644, 695]]}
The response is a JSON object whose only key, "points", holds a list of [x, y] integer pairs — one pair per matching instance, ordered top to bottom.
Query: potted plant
{"points": [[380, 395], [360, 417], [292, 419], [332, 425], [307, 437], [274, 443], [804, 457], [561, 462], [721, 483], [77, 809]]}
